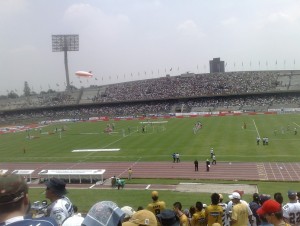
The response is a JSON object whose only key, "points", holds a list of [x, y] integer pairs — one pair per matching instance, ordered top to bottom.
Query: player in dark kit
{"points": [[196, 165]]}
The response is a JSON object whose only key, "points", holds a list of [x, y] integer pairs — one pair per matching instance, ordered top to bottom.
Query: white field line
{"points": [[296, 124], [256, 128], [109, 144], [126, 170]]}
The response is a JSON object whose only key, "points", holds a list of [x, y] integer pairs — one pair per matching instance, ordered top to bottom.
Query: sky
{"points": [[125, 40]]}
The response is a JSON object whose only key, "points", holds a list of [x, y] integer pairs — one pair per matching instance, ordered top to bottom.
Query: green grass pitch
{"points": [[225, 134]]}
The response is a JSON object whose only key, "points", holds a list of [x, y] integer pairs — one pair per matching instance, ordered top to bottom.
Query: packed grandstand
{"points": [[258, 91]]}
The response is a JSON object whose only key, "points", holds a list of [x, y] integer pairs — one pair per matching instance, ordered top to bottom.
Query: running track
{"points": [[274, 171]]}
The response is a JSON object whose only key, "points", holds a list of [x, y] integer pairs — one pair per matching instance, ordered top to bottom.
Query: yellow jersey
{"points": [[156, 207], [213, 214], [198, 218]]}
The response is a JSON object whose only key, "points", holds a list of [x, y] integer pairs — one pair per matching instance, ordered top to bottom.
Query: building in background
{"points": [[216, 65]]}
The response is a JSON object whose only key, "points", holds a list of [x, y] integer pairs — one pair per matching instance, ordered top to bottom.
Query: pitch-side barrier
{"points": [[73, 174]]}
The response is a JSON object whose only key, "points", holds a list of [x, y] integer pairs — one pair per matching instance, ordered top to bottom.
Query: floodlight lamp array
{"points": [[65, 43]]}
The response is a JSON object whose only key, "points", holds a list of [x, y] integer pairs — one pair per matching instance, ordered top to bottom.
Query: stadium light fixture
{"points": [[65, 43]]}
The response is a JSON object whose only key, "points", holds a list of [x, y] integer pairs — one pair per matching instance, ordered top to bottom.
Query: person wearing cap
{"points": [[263, 198], [231, 203], [15, 204], [156, 206], [224, 206], [254, 206], [60, 207], [177, 207], [291, 210], [129, 211], [272, 211], [214, 212], [105, 213], [240, 215], [142, 217], [168, 218], [198, 218], [75, 220]]}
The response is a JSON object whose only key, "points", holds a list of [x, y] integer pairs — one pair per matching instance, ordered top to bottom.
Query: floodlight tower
{"points": [[65, 43]]}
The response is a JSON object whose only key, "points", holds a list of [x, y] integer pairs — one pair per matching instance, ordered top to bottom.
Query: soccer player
{"points": [[257, 140], [212, 152], [214, 160]]}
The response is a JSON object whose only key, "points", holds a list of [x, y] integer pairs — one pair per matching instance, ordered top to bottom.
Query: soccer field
{"points": [[226, 134]]}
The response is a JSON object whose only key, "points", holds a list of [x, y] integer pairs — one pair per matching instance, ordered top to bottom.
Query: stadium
{"points": [[142, 116], [140, 124]]}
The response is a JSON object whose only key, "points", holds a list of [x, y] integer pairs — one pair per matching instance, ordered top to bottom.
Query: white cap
{"points": [[235, 195], [129, 211], [75, 220]]}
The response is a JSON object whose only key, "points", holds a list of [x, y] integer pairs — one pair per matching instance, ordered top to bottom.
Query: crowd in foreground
{"points": [[15, 209]]}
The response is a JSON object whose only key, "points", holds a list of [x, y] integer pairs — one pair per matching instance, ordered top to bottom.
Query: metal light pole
{"points": [[65, 43]]}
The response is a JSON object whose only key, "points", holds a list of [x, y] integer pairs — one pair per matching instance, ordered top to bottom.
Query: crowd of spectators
{"points": [[195, 85], [192, 86], [254, 91], [41, 100], [242, 101], [135, 109], [15, 209]]}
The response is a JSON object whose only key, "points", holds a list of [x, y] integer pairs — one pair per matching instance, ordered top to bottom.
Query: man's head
{"points": [[55, 188], [13, 194], [154, 195], [292, 195], [235, 197], [278, 197], [215, 198], [256, 198], [263, 198], [177, 206], [199, 206], [271, 210]]}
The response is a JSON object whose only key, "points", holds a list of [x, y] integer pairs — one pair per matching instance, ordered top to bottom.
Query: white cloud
{"points": [[10, 7], [278, 16], [92, 19], [230, 21], [189, 28]]}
